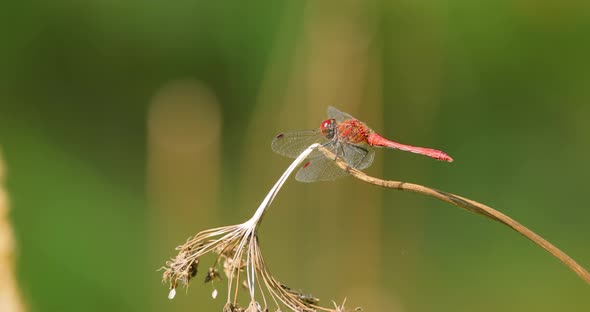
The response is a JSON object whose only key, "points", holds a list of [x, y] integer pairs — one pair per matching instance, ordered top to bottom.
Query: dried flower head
{"points": [[240, 258]]}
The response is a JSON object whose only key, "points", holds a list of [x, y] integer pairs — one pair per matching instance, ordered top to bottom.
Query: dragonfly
{"points": [[348, 138]]}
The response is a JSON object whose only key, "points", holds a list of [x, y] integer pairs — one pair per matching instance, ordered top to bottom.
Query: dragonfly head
{"points": [[328, 128]]}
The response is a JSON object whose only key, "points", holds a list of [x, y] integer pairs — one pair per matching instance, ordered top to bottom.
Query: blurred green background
{"points": [[128, 126]]}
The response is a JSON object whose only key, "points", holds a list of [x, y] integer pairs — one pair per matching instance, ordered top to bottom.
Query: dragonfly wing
{"points": [[333, 112], [291, 144], [359, 156], [319, 168]]}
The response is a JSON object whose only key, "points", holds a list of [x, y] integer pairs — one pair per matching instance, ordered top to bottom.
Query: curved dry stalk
{"points": [[469, 205]]}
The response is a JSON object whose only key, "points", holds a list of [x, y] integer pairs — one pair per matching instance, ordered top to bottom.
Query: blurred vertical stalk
{"points": [[331, 62], [342, 69], [184, 126], [10, 299]]}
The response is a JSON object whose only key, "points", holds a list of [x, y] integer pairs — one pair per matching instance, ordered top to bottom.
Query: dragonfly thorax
{"points": [[328, 128]]}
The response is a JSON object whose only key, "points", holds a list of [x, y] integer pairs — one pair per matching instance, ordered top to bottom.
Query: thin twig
{"points": [[469, 205]]}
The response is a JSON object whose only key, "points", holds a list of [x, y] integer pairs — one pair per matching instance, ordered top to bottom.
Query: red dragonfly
{"points": [[348, 138]]}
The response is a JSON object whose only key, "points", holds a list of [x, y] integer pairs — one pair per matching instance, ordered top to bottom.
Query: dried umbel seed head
{"points": [[238, 251], [230, 267], [193, 268], [212, 275], [172, 293], [308, 299], [254, 306], [229, 307], [341, 308]]}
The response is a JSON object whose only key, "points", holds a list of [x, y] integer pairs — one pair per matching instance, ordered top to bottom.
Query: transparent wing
{"points": [[333, 112], [291, 144], [359, 156], [319, 168]]}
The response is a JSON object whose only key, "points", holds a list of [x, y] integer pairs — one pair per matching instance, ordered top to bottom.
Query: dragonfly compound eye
{"points": [[327, 128]]}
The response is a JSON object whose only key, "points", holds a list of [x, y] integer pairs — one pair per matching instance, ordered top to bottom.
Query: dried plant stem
{"points": [[469, 205]]}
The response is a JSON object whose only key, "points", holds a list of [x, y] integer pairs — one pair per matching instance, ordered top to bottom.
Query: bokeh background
{"points": [[128, 126]]}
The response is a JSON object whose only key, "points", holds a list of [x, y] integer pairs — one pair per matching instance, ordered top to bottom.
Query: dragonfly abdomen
{"points": [[376, 140]]}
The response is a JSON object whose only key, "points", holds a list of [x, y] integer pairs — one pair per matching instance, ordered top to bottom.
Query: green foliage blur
{"points": [[128, 126]]}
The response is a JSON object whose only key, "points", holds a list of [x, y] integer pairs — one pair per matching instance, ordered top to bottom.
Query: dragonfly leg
{"points": [[336, 146], [341, 149], [362, 151]]}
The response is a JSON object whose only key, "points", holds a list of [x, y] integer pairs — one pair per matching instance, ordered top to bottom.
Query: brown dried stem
{"points": [[469, 205]]}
